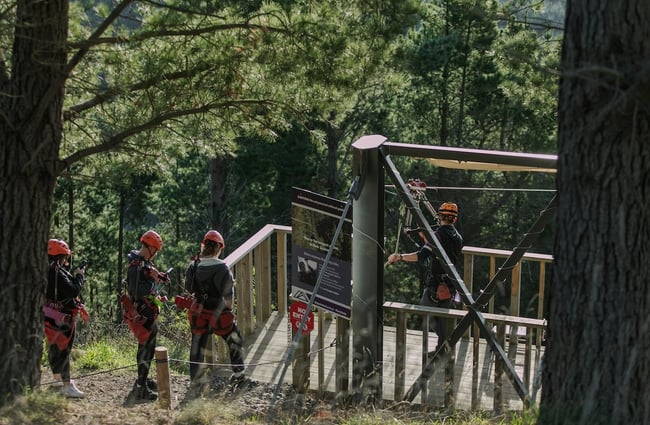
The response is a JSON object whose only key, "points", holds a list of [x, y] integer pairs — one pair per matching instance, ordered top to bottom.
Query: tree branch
{"points": [[146, 35], [111, 93], [46, 100], [113, 142]]}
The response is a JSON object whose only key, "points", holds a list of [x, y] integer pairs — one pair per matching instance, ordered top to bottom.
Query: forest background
{"points": [[223, 111], [183, 116]]}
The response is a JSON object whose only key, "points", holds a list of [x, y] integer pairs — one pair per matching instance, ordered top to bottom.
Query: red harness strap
{"points": [[135, 320], [203, 321], [59, 327]]}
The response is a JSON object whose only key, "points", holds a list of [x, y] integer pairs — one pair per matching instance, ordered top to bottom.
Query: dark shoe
{"points": [[237, 378], [151, 384], [142, 392]]}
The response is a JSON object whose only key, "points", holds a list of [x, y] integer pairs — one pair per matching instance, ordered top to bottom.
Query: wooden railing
{"points": [[537, 262], [252, 265], [261, 286], [507, 330]]}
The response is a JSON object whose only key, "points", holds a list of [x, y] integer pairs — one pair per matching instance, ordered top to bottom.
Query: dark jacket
{"points": [[452, 243], [140, 276], [211, 282], [62, 287]]}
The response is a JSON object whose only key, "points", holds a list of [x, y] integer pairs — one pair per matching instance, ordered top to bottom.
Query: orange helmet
{"points": [[448, 208], [214, 236], [152, 239], [57, 247]]}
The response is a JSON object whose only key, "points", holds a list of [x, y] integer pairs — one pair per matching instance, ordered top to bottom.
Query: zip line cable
{"points": [[495, 189]]}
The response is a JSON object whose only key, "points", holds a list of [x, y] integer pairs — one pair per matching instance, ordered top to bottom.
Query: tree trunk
{"points": [[31, 100], [333, 138], [218, 176], [597, 364]]}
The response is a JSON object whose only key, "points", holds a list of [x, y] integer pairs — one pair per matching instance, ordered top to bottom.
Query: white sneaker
{"points": [[69, 389]]}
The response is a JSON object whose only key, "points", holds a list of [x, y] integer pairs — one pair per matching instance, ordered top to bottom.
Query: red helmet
{"points": [[448, 208], [214, 236], [152, 239], [57, 247]]}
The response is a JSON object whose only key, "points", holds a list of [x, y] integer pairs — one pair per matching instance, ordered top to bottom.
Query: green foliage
{"points": [[276, 92], [101, 355]]}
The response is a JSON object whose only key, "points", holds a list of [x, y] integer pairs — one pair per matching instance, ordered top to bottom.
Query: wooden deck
{"points": [[266, 350]]}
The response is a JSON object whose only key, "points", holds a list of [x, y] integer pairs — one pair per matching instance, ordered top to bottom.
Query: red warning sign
{"points": [[296, 312]]}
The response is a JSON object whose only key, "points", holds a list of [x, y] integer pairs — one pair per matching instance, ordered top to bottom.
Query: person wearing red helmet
{"points": [[210, 281], [439, 290], [62, 304], [141, 308]]}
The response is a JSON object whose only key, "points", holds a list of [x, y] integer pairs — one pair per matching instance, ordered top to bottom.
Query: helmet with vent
{"points": [[448, 208], [214, 236], [152, 239], [57, 247]]}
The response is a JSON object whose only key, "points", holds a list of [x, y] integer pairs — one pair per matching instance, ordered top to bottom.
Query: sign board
{"points": [[314, 221], [297, 311]]}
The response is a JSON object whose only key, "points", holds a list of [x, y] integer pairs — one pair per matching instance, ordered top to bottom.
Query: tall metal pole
{"points": [[367, 272]]}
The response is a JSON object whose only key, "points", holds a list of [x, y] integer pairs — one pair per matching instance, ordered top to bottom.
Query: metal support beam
{"points": [[367, 272]]}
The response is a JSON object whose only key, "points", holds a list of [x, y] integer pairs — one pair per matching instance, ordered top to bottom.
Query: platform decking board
{"points": [[267, 347]]}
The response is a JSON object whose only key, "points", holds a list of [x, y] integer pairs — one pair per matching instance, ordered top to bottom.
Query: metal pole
{"points": [[367, 273]]}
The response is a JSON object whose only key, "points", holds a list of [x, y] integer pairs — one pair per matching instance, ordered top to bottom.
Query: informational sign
{"points": [[315, 219], [297, 311]]}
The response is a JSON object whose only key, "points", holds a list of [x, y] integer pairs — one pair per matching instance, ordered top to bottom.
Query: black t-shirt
{"points": [[452, 243]]}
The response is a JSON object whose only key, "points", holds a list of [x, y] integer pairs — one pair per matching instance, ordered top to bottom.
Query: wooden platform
{"points": [[266, 353]]}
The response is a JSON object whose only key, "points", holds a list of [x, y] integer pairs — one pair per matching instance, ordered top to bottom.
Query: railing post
{"points": [[281, 245], [261, 260], [493, 271], [468, 272], [541, 285], [243, 288], [515, 290], [476, 339], [321, 353], [400, 356], [342, 357], [450, 363], [300, 370], [498, 371]]}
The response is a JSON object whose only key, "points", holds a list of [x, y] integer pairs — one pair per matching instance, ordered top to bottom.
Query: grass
{"points": [[38, 407], [50, 408]]}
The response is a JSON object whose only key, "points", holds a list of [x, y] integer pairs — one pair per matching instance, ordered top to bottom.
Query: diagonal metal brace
{"points": [[438, 249]]}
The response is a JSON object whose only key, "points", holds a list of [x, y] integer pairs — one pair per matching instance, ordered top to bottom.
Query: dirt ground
{"points": [[109, 400]]}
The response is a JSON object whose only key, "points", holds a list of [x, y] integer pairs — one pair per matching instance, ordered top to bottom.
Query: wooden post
{"points": [[281, 244], [243, 295], [476, 339], [321, 352], [400, 356], [342, 357], [450, 362], [498, 371], [300, 372], [162, 375]]}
